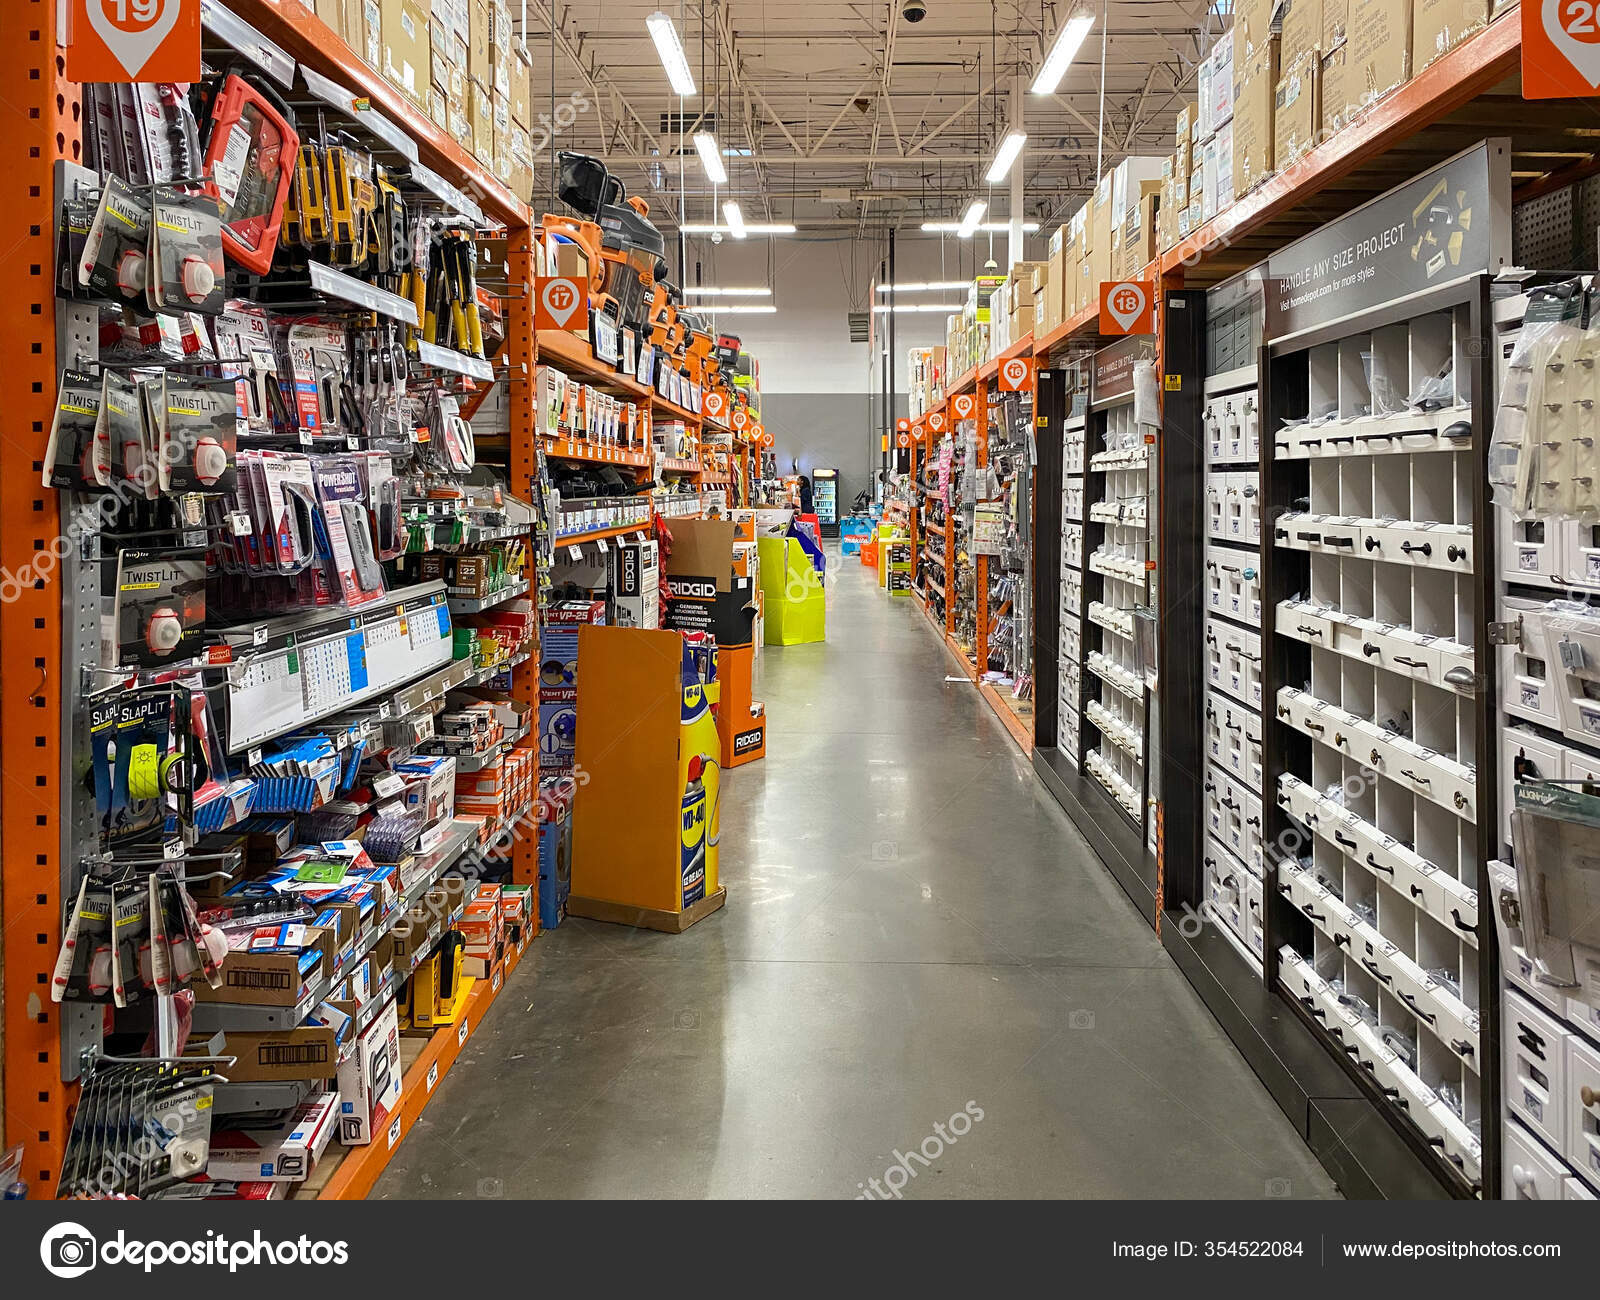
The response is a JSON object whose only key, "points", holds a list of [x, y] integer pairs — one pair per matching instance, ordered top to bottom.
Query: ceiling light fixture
{"points": [[1068, 41], [670, 48], [705, 144], [1005, 155], [734, 218], [969, 223], [952, 227], [693, 228], [922, 288], [715, 291], [946, 307], [716, 309]]}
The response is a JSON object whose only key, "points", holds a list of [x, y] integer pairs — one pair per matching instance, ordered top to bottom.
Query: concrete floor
{"points": [[914, 930]]}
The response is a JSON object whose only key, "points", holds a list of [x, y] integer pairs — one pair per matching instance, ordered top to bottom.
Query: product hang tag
{"points": [[1572, 656]]}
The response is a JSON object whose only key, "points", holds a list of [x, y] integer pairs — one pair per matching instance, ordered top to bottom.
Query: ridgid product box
{"points": [[1438, 26], [1380, 48], [1253, 108], [1297, 109], [636, 583]]}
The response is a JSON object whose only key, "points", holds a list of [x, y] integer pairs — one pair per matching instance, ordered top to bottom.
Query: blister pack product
{"points": [[116, 251], [186, 252], [1582, 390], [199, 434], [73, 456], [1518, 476], [352, 565], [160, 606]]}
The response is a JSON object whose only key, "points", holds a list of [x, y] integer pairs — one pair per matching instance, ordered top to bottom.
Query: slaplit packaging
{"points": [[250, 157]]}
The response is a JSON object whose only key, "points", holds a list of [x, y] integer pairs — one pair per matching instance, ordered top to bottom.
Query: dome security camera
{"points": [[913, 11]]}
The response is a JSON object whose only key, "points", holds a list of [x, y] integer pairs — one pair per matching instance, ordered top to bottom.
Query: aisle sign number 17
{"points": [[133, 40], [1560, 49]]}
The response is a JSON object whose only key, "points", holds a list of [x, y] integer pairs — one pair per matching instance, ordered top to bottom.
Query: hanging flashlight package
{"points": [[250, 157], [118, 243], [186, 252], [73, 456], [159, 608]]}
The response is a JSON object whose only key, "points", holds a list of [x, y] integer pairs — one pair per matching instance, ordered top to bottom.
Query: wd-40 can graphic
{"points": [[695, 818]]}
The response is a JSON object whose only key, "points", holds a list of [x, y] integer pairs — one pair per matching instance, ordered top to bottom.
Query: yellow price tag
{"points": [[1174, 383]]}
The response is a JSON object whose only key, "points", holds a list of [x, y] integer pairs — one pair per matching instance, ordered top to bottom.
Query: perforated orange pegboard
{"points": [[38, 125]]}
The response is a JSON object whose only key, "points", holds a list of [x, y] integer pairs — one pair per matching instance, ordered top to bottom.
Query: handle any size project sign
{"points": [[133, 40]]}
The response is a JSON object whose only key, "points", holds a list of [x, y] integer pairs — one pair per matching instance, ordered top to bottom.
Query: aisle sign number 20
{"points": [[133, 40], [1560, 48]]}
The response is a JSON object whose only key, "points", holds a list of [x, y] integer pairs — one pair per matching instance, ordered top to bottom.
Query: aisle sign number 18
{"points": [[133, 40], [1560, 49]]}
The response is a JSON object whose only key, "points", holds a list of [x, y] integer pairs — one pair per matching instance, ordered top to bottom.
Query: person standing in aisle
{"points": [[806, 503]]}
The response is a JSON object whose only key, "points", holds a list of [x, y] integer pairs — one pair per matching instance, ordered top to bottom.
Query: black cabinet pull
{"points": [[1281, 534], [1308, 537], [1339, 541], [1372, 543], [1426, 547], [1456, 553], [1309, 631], [1368, 649], [1409, 663], [1233, 726], [1315, 726], [1375, 758], [1420, 780], [1253, 821], [1343, 840], [1378, 866], [1416, 892], [1313, 915], [1455, 915], [1341, 941], [1377, 974], [1412, 1003], [1532, 1041], [1463, 1048]]}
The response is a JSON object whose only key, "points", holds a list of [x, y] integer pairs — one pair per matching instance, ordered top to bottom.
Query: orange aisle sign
{"points": [[133, 40], [1560, 49], [561, 302], [1127, 307], [1015, 374], [713, 405], [964, 406], [741, 417], [936, 421], [902, 424], [757, 431], [917, 432], [767, 439], [902, 439]]}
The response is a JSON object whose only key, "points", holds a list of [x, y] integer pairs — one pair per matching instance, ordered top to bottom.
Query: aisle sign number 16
{"points": [[133, 40], [1560, 49]]}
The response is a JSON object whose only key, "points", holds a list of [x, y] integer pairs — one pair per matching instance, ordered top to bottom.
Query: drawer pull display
{"points": [[1309, 537], [1339, 541], [1373, 544], [1425, 547], [1456, 553], [1308, 630], [1368, 649], [1409, 663], [1315, 726], [1338, 738], [1420, 780], [1461, 799], [1343, 841], [1378, 866], [1417, 892], [1455, 915], [1315, 916], [1376, 973], [1412, 1003], [1532, 1041], [1462, 1048], [1589, 1096]]}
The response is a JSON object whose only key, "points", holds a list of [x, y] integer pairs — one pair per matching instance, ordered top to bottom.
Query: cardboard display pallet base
{"points": [[647, 918]]}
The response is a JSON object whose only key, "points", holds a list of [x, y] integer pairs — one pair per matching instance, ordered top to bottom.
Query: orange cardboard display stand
{"points": [[744, 734]]}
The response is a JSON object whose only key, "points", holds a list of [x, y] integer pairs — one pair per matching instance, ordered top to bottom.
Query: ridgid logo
{"points": [[70, 1250]]}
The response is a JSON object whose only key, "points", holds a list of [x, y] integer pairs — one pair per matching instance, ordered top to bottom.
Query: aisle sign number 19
{"points": [[133, 40], [1560, 49]]}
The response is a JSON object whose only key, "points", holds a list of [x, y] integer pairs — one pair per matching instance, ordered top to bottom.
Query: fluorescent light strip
{"points": [[1068, 41], [670, 48], [705, 144], [1005, 155], [734, 218], [969, 223], [988, 227], [749, 229], [923, 288], [714, 291], [946, 307], [718, 309]]}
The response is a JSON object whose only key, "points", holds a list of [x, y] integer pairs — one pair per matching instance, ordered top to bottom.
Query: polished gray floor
{"points": [[914, 934]]}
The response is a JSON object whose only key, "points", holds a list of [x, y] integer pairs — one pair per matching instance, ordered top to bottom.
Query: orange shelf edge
{"points": [[1015, 726], [361, 1167]]}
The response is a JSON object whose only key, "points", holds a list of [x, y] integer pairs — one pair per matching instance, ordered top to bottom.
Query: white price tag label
{"points": [[575, 551], [259, 636], [253, 756], [495, 983], [462, 1032], [433, 1075], [394, 1132]]}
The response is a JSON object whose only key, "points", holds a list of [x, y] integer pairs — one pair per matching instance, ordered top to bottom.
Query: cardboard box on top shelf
{"points": [[332, 12], [1335, 24], [1438, 26], [1252, 27], [1302, 31], [372, 33], [1380, 48], [407, 53], [479, 66], [1224, 71], [521, 89], [1336, 90], [438, 107], [1297, 109], [1253, 110], [481, 111], [1194, 124], [1184, 126], [1223, 141], [1128, 178], [1083, 228], [1139, 232], [1102, 243]]}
